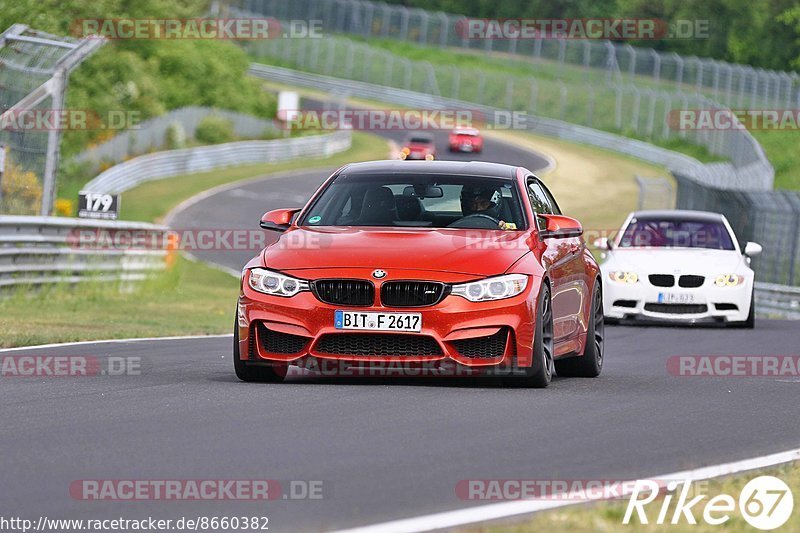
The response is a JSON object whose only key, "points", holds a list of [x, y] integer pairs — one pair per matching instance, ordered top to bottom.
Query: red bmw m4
{"points": [[437, 264]]}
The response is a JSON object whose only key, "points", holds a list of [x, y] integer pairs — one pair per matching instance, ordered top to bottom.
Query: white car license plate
{"points": [[675, 298], [378, 321]]}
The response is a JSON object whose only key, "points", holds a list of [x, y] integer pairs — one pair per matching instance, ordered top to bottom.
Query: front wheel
{"points": [[750, 323], [590, 363], [254, 374], [539, 374]]}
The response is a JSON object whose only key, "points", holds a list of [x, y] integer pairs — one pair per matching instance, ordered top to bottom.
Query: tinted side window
{"points": [[550, 199]]}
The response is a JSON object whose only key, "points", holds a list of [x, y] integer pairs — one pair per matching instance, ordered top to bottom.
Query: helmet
{"points": [[471, 195]]}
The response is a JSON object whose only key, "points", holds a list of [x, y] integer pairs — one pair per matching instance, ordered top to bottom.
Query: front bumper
{"points": [[708, 303], [473, 334]]}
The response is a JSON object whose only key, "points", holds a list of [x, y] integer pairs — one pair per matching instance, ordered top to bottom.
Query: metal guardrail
{"points": [[151, 134], [204, 158], [719, 174], [42, 250], [777, 300]]}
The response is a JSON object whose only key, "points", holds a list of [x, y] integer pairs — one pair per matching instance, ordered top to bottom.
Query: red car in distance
{"points": [[465, 140], [419, 146], [467, 265]]}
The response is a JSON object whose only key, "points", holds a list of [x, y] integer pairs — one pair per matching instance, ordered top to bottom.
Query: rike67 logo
{"points": [[765, 503]]}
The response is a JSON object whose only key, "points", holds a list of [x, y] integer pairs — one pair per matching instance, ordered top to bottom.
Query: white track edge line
{"points": [[106, 341], [483, 513]]}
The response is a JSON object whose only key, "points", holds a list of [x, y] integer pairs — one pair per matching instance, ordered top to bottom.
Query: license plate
{"points": [[675, 298], [378, 321]]}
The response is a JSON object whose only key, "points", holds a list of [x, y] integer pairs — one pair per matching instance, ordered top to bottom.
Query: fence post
{"points": [[424, 20], [444, 22], [403, 23], [631, 61], [656, 64], [678, 71], [534, 95], [637, 102], [562, 104], [53, 138]]}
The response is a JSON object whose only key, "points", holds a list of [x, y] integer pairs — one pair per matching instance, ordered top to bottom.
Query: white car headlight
{"points": [[623, 277], [728, 280], [274, 283], [496, 288]]}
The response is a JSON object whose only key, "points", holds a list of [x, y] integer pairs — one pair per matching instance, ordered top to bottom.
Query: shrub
{"points": [[214, 129], [22, 192]]}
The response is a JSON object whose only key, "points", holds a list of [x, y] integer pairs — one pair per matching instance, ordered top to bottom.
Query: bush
{"points": [[214, 129], [176, 136], [22, 192]]}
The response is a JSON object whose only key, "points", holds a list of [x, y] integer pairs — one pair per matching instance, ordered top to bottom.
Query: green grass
{"points": [[498, 68], [153, 200], [190, 298], [607, 516]]}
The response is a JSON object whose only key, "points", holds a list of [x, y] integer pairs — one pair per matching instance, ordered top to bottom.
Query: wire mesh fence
{"points": [[34, 67], [730, 84], [621, 108], [770, 218]]}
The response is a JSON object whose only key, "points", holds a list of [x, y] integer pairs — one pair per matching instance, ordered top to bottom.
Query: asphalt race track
{"points": [[383, 448]]}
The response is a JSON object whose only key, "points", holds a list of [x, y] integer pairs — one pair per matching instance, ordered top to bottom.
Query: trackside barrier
{"points": [[171, 163], [755, 175], [42, 250], [778, 300]]}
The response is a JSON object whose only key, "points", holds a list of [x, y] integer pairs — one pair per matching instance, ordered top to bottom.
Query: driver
{"points": [[481, 201]]}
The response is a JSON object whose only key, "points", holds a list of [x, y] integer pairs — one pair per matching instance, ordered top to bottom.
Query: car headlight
{"points": [[623, 277], [728, 280], [269, 282], [496, 288]]}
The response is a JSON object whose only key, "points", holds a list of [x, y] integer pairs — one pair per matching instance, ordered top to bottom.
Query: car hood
{"points": [[476, 252], [675, 261]]}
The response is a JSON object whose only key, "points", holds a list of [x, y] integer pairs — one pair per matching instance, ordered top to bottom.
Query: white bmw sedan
{"points": [[678, 266]]}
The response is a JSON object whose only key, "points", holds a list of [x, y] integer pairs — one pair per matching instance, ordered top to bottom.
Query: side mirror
{"points": [[278, 219], [560, 227], [603, 243], [752, 249]]}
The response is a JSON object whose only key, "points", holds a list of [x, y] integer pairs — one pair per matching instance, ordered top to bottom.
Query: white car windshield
{"points": [[676, 233]]}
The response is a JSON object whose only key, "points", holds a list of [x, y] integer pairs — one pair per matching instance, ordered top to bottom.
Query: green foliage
{"points": [[764, 33], [145, 78], [214, 129], [176, 136]]}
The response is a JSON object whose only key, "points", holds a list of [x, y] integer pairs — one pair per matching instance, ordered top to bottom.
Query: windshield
{"points": [[420, 140], [424, 201], [676, 233]]}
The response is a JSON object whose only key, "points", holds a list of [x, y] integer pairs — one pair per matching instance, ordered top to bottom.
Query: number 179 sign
{"points": [[98, 205]]}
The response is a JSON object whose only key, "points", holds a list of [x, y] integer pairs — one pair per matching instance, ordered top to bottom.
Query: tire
{"points": [[750, 323], [590, 364], [255, 374], [539, 374]]}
